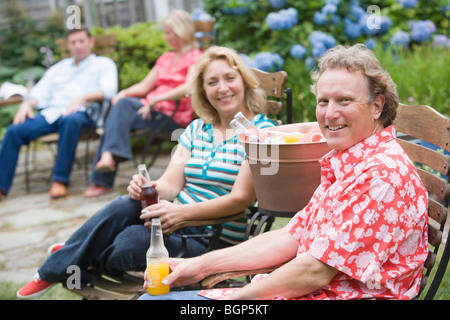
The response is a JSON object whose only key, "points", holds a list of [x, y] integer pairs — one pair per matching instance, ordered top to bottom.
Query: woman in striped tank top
{"points": [[207, 177]]}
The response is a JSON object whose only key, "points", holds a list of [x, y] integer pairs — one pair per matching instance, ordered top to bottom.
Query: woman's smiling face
{"points": [[224, 87], [343, 112]]}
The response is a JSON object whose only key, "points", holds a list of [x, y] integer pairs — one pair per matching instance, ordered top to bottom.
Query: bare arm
{"points": [[139, 89], [86, 100], [265, 250], [298, 277]]}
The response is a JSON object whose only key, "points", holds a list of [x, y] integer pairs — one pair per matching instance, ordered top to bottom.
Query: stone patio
{"points": [[31, 222]]}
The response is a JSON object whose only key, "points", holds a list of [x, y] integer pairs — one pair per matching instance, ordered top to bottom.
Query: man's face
{"points": [[80, 45], [342, 111]]}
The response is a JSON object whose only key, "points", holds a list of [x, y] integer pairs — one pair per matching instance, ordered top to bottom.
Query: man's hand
{"points": [[75, 105], [25, 111], [183, 272]]}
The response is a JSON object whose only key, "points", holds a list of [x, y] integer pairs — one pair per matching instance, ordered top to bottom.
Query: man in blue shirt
{"points": [[62, 96]]}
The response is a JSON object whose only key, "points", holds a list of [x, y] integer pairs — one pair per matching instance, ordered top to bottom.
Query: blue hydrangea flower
{"points": [[333, 2], [407, 3], [277, 4], [329, 8], [356, 12], [320, 18], [284, 19], [274, 21], [385, 25], [352, 29], [422, 30], [318, 37], [401, 38], [441, 40], [320, 42], [370, 43], [318, 50], [298, 51], [247, 60], [268, 61], [277, 62], [310, 63]]}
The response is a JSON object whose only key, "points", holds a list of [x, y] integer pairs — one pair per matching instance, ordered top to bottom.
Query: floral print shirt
{"points": [[368, 219]]}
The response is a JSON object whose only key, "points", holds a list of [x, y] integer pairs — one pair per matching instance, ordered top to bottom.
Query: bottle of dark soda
{"points": [[149, 195]]}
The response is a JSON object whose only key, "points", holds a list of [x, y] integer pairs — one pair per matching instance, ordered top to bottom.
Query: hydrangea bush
{"points": [[291, 34]]}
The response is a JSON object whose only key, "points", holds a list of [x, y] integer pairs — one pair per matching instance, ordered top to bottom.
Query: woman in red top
{"points": [[150, 102]]}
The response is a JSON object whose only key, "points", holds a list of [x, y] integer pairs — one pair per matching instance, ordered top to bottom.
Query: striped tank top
{"points": [[212, 170]]}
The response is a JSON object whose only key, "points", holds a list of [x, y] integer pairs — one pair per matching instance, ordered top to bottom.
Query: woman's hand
{"points": [[121, 94], [145, 112], [134, 187], [168, 213]]}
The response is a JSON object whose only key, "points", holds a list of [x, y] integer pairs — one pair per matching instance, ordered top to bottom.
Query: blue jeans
{"points": [[122, 119], [69, 128], [114, 240], [175, 295]]}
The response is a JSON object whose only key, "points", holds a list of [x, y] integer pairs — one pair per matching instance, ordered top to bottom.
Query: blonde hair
{"points": [[181, 24], [359, 57], [254, 96]]}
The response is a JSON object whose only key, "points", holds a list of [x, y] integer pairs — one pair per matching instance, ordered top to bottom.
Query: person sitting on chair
{"points": [[168, 81], [62, 95], [207, 178], [364, 232]]}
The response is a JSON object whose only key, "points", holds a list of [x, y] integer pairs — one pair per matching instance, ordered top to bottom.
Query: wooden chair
{"points": [[205, 33], [105, 45], [278, 96], [414, 123], [426, 124]]}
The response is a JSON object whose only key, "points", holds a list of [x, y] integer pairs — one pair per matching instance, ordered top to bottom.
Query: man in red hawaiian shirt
{"points": [[364, 232]]}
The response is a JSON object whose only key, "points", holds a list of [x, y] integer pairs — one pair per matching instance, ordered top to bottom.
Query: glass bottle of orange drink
{"points": [[157, 261]]}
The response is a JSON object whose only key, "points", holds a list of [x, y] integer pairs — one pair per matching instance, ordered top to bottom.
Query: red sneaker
{"points": [[54, 247], [34, 288]]}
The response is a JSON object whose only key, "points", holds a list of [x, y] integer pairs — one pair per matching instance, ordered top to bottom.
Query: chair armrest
{"points": [[208, 222], [211, 281]]}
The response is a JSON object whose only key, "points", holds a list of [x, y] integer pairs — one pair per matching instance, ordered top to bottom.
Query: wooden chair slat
{"points": [[425, 123], [426, 156], [437, 211]]}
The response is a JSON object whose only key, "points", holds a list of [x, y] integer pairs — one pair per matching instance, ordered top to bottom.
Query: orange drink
{"points": [[155, 274]]}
